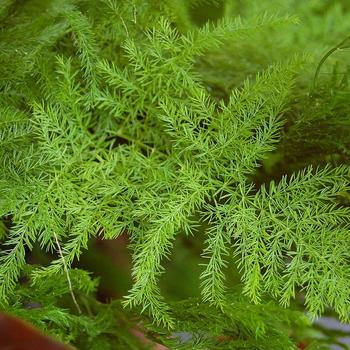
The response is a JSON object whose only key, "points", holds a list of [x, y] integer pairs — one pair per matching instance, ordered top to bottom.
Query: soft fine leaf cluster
{"points": [[108, 127], [48, 306], [109, 326], [240, 326]]}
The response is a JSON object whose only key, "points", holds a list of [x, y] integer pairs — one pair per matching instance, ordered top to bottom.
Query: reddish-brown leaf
{"points": [[16, 334]]}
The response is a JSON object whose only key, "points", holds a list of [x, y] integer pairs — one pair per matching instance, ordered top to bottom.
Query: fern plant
{"points": [[110, 126]]}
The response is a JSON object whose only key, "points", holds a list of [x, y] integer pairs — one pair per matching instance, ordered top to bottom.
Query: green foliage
{"points": [[125, 117], [291, 235], [48, 306], [240, 326]]}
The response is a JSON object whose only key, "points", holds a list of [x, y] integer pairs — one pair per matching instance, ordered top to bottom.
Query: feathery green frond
{"points": [[126, 121]]}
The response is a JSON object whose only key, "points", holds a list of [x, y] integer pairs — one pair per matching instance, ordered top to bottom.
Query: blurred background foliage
{"points": [[317, 127]]}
